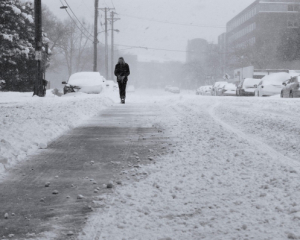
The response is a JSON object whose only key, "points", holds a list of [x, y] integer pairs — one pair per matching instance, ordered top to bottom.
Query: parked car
{"points": [[86, 82], [271, 84], [167, 87], [247, 87], [217, 88], [291, 88], [174, 89], [229, 89], [199, 90], [204, 90]]}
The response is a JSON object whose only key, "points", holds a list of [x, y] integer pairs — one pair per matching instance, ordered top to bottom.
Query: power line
{"points": [[112, 2], [79, 20], [173, 23], [77, 25], [148, 48], [164, 49]]}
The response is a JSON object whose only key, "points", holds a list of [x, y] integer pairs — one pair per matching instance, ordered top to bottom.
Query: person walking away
{"points": [[122, 72]]}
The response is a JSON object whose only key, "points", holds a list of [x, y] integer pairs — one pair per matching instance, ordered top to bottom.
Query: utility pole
{"points": [[112, 19], [96, 36], [106, 47], [38, 86]]}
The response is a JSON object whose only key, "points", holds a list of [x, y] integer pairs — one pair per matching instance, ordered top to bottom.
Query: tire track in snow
{"points": [[261, 146]]}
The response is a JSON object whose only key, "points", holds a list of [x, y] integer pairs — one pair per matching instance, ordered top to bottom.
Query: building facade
{"points": [[262, 25], [222, 47], [196, 50]]}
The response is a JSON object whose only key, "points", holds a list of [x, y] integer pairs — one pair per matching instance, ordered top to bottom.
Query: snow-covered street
{"points": [[220, 168], [231, 173]]}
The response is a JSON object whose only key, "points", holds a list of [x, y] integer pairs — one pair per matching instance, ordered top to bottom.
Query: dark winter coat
{"points": [[122, 70]]}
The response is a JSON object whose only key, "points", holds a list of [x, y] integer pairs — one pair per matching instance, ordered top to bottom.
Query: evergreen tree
{"points": [[17, 54]]}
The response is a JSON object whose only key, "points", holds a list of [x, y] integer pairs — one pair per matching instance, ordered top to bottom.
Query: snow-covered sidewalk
{"points": [[29, 123], [224, 177]]}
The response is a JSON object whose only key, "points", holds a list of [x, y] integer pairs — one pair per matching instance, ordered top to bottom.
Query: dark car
{"points": [[247, 87], [291, 88]]}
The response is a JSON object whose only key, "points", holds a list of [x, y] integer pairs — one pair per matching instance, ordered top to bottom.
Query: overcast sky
{"points": [[140, 32]]}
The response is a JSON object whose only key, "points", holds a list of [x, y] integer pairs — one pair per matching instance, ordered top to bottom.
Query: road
{"points": [[190, 167]]}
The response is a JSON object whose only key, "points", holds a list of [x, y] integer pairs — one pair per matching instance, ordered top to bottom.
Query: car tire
{"points": [[281, 94], [291, 95]]}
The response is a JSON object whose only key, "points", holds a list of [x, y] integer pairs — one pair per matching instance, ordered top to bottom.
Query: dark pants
{"points": [[122, 88]]}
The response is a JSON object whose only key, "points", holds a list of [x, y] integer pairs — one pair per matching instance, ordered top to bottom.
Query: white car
{"points": [[86, 82], [271, 84], [247, 87], [217, 88], [174, 89], [229, 89], [199, 90], [204, 90]]}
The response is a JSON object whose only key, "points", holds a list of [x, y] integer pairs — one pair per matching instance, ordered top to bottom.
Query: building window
{"points": [[293, 8]]}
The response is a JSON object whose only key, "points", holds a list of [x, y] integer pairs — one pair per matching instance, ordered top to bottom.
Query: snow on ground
{"points": [[29, 123], [231, 173]]}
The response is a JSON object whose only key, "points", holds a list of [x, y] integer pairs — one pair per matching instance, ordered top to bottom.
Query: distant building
{"points": [[262, 24], [222, 45], [196, 50]]}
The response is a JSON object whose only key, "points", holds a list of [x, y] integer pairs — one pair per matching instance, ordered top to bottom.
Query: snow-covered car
{"points": [[86, 82], [271, 84], [167, 87], [217, 87], [247, 87], [291, 88], [229, 89], [174, 90], [198, 90], [204, 90]]}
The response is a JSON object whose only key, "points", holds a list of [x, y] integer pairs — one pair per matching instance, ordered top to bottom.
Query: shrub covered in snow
{"points": [[17, 64]]}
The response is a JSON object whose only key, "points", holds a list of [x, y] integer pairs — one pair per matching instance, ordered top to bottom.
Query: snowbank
{"points": [[29, 123]]}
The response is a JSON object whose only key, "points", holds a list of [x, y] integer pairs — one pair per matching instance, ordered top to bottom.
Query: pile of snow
{"points": [[28, 124]]}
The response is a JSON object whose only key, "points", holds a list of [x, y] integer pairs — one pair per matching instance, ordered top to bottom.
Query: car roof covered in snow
{"points": [[276, 78], [86, 79]]}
